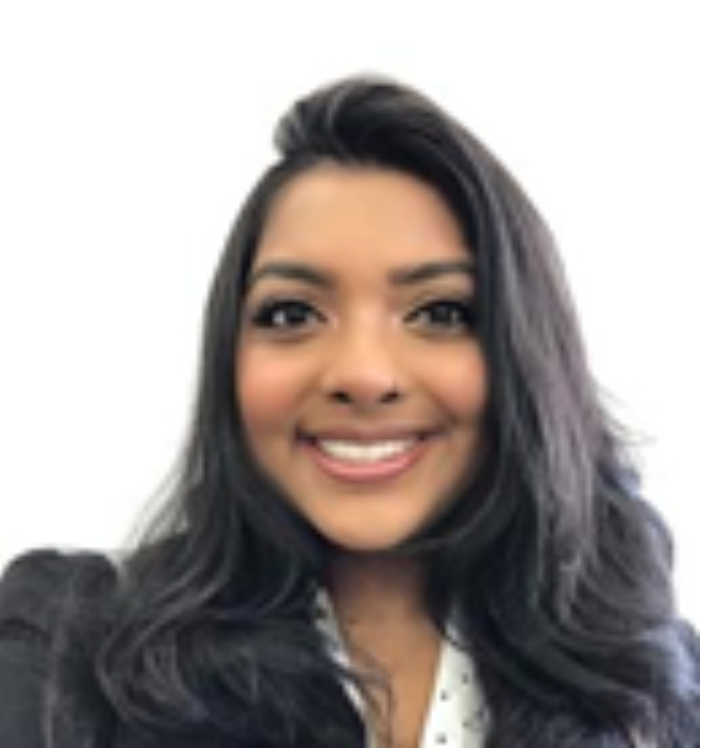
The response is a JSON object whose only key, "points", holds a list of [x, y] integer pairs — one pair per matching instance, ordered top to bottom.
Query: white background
{"points": [[130, 131]]}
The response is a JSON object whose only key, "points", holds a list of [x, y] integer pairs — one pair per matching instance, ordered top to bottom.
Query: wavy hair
{"points": [[555, 572]]}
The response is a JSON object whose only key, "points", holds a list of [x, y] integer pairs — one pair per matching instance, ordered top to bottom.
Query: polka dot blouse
{"points": [[455, 715]]}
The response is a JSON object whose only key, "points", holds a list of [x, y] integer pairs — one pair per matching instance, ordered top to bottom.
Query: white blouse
{"points": [[455, 716]]}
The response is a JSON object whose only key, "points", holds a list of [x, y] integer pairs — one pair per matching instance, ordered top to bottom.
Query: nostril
{"points": [[390, 396], [341, 397], [348, 397]]}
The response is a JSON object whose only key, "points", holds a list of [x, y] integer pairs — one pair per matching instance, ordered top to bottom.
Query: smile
{"points": [[357, 453], [366, 461]]}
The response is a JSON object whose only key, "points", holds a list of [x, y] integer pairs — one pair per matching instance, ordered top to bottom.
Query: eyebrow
{"points": [[401, 277]]}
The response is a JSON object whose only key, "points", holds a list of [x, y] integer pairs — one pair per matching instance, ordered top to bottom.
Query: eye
{"points": [[285, 314], [446, 316]]}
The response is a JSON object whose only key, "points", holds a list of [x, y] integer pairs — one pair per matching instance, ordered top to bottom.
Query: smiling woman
{"points": [[362, 382], [403, 516]]}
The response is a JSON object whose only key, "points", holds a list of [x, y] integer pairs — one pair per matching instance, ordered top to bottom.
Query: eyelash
{"points": [[463, 311], [464, 314], [264, 316]]}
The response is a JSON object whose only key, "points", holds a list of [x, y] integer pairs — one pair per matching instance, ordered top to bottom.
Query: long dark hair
{"points": [[555, 572]]}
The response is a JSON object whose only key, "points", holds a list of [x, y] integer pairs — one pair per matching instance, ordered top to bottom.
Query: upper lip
{"points": [[367, 434]]}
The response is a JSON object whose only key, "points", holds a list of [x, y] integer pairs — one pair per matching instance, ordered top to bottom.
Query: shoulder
{"points": [[35, 585], [38, 588], [36, 591]]}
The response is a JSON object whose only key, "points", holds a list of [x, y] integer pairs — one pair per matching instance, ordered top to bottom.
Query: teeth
{"points": [[365, 453]]}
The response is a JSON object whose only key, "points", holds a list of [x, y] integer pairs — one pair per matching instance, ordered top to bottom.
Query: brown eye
{"points": [[285, 315], [446, 315]]}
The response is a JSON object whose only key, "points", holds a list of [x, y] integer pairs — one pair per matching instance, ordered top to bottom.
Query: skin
{"points": [[358, 346]]}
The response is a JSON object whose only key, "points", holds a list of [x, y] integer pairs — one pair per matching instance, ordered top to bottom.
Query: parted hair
{"points": [[552, 569]]}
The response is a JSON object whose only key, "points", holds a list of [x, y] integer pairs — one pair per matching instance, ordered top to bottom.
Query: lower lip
{"points": [[374, 472]]}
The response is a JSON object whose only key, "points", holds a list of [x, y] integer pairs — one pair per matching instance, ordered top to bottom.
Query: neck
{"points": [[378, 589], [379, 603]]}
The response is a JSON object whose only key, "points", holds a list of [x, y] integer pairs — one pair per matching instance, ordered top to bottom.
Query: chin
{"points": [[366, 542]]}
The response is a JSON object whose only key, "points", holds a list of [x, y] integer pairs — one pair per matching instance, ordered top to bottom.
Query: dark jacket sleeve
{"points": [[33, 592]]}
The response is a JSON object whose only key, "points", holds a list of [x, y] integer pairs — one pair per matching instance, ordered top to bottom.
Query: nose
{"points": [[363, 371]]}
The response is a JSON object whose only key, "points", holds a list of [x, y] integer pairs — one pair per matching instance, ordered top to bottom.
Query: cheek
{"points": [[461, 385], [267, 391]]}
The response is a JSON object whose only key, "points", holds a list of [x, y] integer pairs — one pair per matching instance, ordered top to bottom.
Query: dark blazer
{"points": [[34, 590], [40, 593]]}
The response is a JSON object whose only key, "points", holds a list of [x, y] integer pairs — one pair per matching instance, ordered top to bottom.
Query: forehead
{"points": [[335, 214]]}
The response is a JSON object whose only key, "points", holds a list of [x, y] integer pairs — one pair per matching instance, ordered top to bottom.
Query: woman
{"points": [[402, 517]]}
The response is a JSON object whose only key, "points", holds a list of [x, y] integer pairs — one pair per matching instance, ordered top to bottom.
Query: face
{"points": [[361, 382]]}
